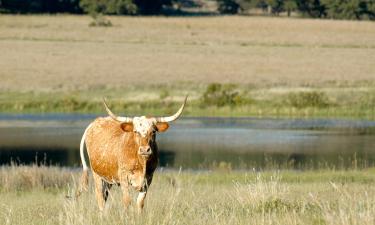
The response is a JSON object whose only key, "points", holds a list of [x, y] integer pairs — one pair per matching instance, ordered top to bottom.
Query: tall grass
{"points": [[26, 178], [232, 197]]}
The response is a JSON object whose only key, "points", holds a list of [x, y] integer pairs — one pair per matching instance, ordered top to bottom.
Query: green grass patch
{"points": [[224, 100]]}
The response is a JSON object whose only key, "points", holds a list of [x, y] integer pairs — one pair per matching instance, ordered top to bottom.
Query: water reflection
{"points": [[204, 142]]}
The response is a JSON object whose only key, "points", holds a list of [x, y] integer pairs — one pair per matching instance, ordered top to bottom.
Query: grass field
{"points": [[48, 62], [276, 67], [37, 195]]}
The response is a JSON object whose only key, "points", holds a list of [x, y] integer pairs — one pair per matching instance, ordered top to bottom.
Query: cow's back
{"points": [[104, 140]]}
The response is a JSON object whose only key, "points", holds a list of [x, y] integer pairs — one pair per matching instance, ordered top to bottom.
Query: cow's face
{"points": [[145, 128], [144, 133]]}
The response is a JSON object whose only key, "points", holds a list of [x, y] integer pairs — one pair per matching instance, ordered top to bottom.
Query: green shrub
{"points": [[108, 6], [100, 21], [164, 93], [222, 95], [308, 99], [368, 100]]}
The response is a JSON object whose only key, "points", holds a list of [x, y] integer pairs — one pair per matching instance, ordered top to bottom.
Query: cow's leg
{"points": [[106, 187], [125, 189], [99, 191], [142, 194], [125, 195], [141, 200]]}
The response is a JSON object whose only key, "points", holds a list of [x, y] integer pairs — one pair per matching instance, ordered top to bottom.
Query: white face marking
{"points": [[142, 125]]}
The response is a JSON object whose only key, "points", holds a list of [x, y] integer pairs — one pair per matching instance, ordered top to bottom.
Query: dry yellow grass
{"points": [[54, 52], [28, 196]]}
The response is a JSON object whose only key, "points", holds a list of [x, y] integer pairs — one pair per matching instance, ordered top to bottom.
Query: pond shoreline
{"points": [[202, 142]]}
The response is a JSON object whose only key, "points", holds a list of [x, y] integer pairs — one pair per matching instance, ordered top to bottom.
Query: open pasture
{"points": [[63, 52], [147, 64], [37, 195]]}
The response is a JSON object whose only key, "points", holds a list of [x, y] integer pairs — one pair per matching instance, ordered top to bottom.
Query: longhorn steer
{"points": [[122, 150]]}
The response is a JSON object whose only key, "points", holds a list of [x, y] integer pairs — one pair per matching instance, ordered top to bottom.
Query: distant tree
{"points": [[262, 4], [41, 6], [151, 6], [228, 6], [290, 6], [122, 7], [271, 7], [275, 7], [312, 8], [342, 9], [349, 9], [371, 10]]}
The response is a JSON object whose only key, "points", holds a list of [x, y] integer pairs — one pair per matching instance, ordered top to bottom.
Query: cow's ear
{"points": [[162, 126], [127, 127]]}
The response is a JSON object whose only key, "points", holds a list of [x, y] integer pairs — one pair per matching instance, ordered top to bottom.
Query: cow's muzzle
{"points": [[145, 151]]}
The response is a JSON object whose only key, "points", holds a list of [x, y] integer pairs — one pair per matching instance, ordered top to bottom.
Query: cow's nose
{"points": [[145, 150]]}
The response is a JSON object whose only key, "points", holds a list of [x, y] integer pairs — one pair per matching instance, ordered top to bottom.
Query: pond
{"points": [[201, 143]]}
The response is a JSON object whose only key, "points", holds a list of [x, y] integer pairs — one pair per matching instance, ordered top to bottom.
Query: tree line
{"points": [[111, 7], [335, 9]]}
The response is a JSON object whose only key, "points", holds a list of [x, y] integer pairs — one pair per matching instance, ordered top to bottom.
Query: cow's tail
{"points": [[84, 183]]}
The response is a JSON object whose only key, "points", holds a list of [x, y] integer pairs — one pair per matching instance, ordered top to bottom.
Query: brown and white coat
{"points": [[122, 151]]}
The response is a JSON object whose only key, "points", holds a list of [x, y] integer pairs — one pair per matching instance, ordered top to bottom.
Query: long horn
{"points": [[113, 116], [173, 117]]}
